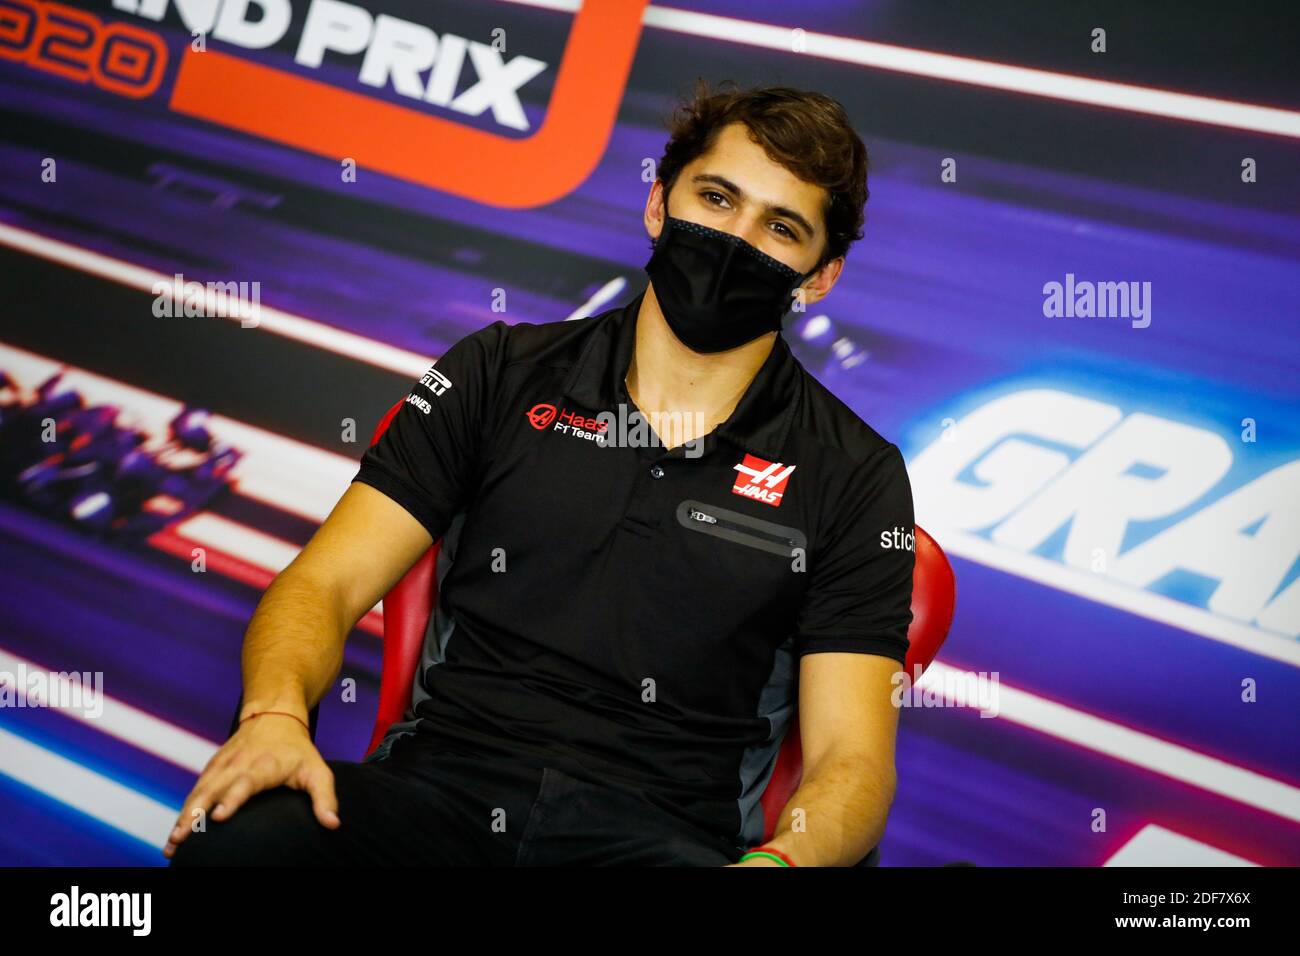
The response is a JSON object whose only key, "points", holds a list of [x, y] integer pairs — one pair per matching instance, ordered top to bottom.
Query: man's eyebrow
{"points": [[784, 211]]}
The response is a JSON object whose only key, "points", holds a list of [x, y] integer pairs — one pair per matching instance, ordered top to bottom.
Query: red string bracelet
{"points": [[285, 713]]}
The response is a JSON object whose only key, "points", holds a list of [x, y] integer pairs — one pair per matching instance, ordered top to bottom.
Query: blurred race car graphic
{"points": [[85, 466]]}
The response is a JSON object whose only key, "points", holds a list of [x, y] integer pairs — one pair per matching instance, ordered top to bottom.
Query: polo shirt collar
{"points": [[761, 420]]}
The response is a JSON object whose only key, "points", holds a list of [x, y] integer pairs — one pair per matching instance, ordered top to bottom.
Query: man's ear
{"points": [[656, 209], [820, 285]]}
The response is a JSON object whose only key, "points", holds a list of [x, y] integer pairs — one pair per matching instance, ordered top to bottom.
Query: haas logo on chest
{"points": [[761, 480]]}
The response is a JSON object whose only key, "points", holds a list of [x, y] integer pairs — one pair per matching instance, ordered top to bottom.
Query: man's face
{"points": [[734, 187]]}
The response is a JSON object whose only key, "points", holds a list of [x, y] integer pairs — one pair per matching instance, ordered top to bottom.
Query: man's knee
{"points": [[275, 827]]}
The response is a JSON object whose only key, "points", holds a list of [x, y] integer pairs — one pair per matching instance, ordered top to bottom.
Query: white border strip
{"points": [[960, 69], [985, 73], [275, 321], [248, 544], [1154, 607], [130, 724], [1131, 746], [93, 794], [1155, 845]]}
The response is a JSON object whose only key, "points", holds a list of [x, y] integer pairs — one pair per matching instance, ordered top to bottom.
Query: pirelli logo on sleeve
{"points": [[435, 381]]}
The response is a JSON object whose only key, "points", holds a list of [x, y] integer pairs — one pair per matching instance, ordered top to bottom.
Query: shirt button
{"points": [[656, 471]]}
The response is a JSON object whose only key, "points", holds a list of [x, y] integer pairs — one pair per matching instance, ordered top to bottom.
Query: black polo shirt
{"points": [[625, 612]]}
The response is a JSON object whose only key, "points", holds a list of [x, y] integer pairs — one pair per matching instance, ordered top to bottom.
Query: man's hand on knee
{"points": [[266, 752]]}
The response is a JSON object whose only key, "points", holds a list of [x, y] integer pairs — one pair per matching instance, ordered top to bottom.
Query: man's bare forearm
{"points": [[293, 648], [836, 815]]}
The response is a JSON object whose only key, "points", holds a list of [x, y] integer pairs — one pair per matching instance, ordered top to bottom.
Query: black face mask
{"points": [[716, 291]]}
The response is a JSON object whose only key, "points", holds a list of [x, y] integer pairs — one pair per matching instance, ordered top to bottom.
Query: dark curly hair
{"points": [[806, 132]]}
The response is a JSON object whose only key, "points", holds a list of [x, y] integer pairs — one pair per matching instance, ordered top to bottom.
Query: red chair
{"points": [[409, 604]]}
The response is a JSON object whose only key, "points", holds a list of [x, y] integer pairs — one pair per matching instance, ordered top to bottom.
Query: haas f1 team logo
{"points": [[539, 416], [567, 422], [762, 480]]}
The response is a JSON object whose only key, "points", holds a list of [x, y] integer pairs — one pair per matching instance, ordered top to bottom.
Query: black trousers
{"points": [[423, 804]]}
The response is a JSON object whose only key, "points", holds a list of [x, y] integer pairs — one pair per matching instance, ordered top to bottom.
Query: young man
{"points": [[627, 616]]}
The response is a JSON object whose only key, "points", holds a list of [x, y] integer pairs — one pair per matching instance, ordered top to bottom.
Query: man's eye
{"points": [[711, 193], [788, 231]]}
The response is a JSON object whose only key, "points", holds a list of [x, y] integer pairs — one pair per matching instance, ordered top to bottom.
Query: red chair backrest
{"points": [[408, 605]]}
